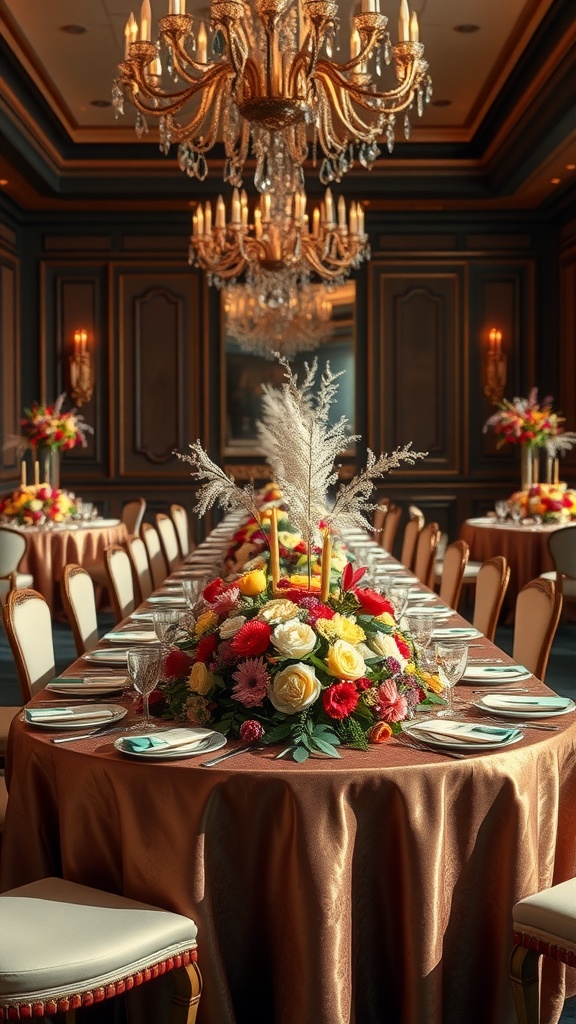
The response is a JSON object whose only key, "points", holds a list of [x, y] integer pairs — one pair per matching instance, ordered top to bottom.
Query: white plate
{"points": [[482, 521], [97, 524], [416, 596], [167, 599], [434, 613], [142, 617], [455, 633], [132, 636], [108, 657], [491, 674], [85, 688], [528, 711], [82, 719], [420, 732], [212, 741]]}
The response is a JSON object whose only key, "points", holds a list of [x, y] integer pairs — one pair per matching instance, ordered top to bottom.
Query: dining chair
{"points": [[133, 514], [179, 517], [387, 538], [168, 540], [409, 541], [13, 546], [562, 548], [424, 557], [455, 559], [156, 560], [471, 568], [120, 581], [143, 585], [491, 585], [79, 600], [538, 608], [28, 626], [3, 806], [543, 925], [64, 945]]}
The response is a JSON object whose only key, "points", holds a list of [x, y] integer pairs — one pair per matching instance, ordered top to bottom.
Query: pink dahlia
{"points": [[226, 601], [252, 679], [392, 706]]}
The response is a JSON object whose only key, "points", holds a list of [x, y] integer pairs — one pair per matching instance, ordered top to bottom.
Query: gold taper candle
{"points": [[23, 471], [36, 473], [274, 552], [326, 559]]}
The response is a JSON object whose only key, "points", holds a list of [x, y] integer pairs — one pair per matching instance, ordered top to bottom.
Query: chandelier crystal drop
{"points": [[266, 68], [280, 239], [276, 314]]}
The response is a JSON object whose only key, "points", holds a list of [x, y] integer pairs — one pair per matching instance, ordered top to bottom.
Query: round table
{"points": [[524, 547], [51, 548], [379, 886]]}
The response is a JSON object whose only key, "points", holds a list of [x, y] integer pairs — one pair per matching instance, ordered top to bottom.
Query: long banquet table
{"points": [[377, 887]]}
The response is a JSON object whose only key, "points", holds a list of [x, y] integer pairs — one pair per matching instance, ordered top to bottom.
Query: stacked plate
{"points": [[494, 674], [88, 686], [525, 705], [74, 716], [468, 737], [171, 744]]}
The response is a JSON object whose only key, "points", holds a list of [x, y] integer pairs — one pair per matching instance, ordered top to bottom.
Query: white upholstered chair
{"points": [[133, 514], [179, 517], [168, 540], [562, 548], [12, 550], [156, 560], [140, 568], [120, 581], [491, 585], [78, 598], [538, 609], [29, 630], [544, 925], [64, 945]]}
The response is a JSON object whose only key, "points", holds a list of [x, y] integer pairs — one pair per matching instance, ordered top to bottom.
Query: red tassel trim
{"points": [[555, 952]]}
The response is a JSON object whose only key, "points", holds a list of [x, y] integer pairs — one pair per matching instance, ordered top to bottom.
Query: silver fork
{"points": [[519, 725], [418, 745]]}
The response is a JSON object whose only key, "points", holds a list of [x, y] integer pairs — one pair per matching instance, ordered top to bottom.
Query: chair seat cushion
{"points": [[550, 915], [57, 936]]}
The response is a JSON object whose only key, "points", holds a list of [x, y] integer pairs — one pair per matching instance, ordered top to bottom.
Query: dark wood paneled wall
{"points": [[426, 302]]}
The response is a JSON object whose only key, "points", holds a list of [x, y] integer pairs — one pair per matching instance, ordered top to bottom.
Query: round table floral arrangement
{"points": [[553, 503], [38, 505]]}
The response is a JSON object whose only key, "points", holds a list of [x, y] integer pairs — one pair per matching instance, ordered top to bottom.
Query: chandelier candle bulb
{"points": [[174, 7], [145, 22], [404, 22], [133, 26], [414, 28], [127, 38], [202, 44], [355, 44], [329, 207], [265, 208], [220, 213], [342, 213], [200, 218], [208, 218], [236, 218], [353, 219], [315, 222], [258, 223]]}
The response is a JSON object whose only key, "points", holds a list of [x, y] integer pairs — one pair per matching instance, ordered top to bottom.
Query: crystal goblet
{"points": [[451, 660], [144, 667]]}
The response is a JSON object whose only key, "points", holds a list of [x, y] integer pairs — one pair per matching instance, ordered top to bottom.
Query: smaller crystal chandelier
{"points": [[281, 237], [267, 316]]}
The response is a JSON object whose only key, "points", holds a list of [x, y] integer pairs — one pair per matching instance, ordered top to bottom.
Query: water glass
{"points": [[502, 509], [192, 590], [397, 594], [165, 624], [421, 626], [451, 660], [144, 667]]}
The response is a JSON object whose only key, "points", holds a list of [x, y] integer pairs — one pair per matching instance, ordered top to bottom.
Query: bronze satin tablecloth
{"points": [[49, 550], [375, 888]]}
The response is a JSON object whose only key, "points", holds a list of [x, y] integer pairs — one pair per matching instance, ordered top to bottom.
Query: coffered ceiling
{"points": [[500, 132]]}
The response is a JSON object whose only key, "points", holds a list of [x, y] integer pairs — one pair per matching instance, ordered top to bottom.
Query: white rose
{"points": [[35, 505], [289, 540], [278, 610], [231, 626], [294, 638], [385, 645], [294, 688]]}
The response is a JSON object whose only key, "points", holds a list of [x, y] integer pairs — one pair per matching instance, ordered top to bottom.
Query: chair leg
{"points": [[525, 984], [186, 997]]}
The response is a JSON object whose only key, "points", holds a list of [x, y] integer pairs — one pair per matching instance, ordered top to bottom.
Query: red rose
{"points": [[213, 589], [371, 602], [251, 639], [402, 646], [206, 648], [178, 664], [363, 684], [340, 699], [251, 731]]}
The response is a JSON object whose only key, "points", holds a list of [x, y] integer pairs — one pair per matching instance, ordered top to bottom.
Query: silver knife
{"points": [[87, 735], [229, 753]]}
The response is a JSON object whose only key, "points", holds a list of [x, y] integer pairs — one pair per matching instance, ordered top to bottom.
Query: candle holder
{"points": [[81, 369]]}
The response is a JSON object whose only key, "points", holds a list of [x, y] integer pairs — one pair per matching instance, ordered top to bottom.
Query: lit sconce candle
{"points": [[145, 21], [404, 22], [133, 28], [414, 28], [201, 44], [244, 208], [329, 208], [220, 213], [342, 213], [200, 216], [208, 218], [236, 218], [306, 223], [194, 225], [495, 341]]}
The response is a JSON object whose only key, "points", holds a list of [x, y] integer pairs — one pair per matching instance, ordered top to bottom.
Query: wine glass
{"points": [[502, 508], [515, 514], [192, 589], [397, 594], [165, 624], [421, 626], [451, 660], [144, 666]]}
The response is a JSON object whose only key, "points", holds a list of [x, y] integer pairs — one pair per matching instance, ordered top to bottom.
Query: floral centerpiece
{"points": [[48, 426], [553, 503], [37, 506], [284, 666]]}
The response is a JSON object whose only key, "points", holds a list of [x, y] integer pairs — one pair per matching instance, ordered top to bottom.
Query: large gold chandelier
{"points": [[270, 73], [280, 239], [271, 314]]}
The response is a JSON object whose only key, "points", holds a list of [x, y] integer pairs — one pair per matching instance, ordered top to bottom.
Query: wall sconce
{"points": [[494, 368], [81, 369]]}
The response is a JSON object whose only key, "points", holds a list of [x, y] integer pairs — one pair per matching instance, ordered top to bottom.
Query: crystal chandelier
{"points": [[271, 74], [280, 239], [269, 314]]}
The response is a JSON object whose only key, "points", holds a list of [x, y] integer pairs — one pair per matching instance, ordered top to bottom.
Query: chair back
{"points": [[416, 513], [133, 514], [379, 516], [179, 517], [391, 523], [168, 540], [409, 541], [13, 546], [562, 548], [425, 550], [156, 560], [455, 560], [140, 567], [120, 581], [491, 585], [77, 590], [538, 608], [28, 627]]}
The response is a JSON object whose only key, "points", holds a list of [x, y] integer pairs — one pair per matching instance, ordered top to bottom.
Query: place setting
{"points": [[492, 673], [88, 686], [516, 705], [73, 716], [462, 736], [170, 744]]}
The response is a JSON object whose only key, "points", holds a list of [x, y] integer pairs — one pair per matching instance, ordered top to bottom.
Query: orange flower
{"points": [[379, 733]]}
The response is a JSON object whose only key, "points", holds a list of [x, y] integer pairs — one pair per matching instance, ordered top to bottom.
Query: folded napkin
{"points": [[136, 635], [495, 672], [90, 682], [524, 703], [67, 714], [464, 732], [171, 739]]}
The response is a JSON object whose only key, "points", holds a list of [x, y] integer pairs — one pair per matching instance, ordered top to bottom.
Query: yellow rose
{"points": [[35, 505], [289, 540], [338, 561], [302, 581], [252, 583], [278, 610], [386, 618], [205, 622], [347, 629], [295, 639], [345, 662], [201, 680], [433, 682], [294, 688]]}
